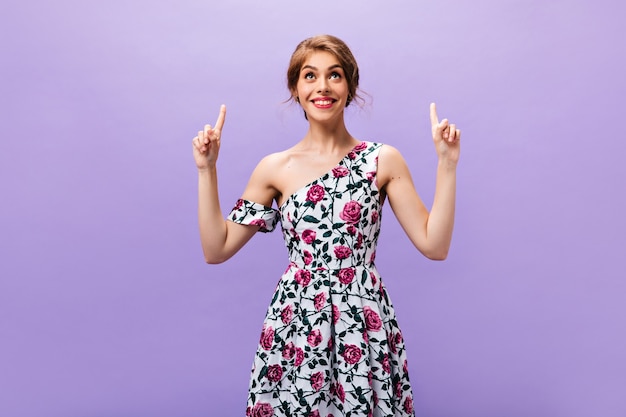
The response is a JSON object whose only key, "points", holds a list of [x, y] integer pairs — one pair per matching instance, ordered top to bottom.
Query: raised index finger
{"points": [[221, 118], [434, 120]]}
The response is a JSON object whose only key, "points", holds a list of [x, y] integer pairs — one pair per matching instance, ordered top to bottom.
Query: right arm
{"points": [[220, 238]]}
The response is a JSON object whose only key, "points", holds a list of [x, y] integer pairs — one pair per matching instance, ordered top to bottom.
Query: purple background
{"points": [[106, 306]]}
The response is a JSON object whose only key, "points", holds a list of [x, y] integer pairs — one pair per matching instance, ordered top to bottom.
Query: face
{"points": [[322, 88]]}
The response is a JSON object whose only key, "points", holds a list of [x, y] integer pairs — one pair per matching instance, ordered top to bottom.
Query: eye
{"points": [[335, 75], [309, 76]]}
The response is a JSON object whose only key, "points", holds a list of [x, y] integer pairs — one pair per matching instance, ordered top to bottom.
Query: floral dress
{"points": [[330, 344]]}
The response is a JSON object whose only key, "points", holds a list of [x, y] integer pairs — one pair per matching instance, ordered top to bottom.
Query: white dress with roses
{"points": [[330, 345]]}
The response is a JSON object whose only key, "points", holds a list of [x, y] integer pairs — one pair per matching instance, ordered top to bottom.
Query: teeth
{"points": [[323, 102]]}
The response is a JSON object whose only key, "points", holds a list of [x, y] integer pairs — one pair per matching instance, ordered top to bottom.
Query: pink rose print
{"points": [[360, 147], [352, 155], [340, 171], [370, 175], [315, 193], [238, 204], [351, 212], [374, 217], [258, 222], [351, 229], [308, 236], [359, 241], [342, 252], [372, 257], [308, 258], [346, 275], [303, 277], [373, 278], [319, 301], [286, 314], [336, 314], [373, 323], [366, 337], [399, 337], [267, 338], [314, 338], [330, 343], [392, 343], [289, 350], [352, 354], [299, 357], [385, 364], [405, 367], [274, 373], [370, 377], [317, 380], [398, 389], [340, 393], [375, 398], [408, 405], [262, 410], [314, 413]]}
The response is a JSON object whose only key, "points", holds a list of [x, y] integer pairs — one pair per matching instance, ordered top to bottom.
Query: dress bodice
{"points": [[333, 222]]}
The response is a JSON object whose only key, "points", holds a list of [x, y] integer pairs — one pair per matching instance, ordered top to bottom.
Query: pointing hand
{"points": [[445, 136], [206, 144]]}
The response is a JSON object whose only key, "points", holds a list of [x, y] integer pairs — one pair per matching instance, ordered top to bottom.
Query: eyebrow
{"points": [[315, 69]]}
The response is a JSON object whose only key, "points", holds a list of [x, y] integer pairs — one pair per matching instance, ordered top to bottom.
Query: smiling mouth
{"points": [[324, 102]]}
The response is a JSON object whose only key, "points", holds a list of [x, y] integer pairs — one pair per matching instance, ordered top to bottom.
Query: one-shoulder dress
{"points": [[330, 345]]}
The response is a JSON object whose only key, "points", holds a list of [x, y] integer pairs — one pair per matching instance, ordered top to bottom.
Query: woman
{"points": [[330, 344]]}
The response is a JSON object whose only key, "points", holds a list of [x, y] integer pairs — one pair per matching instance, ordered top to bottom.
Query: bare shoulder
{"points": [[389, 154], [270, 162], [391, 165], [270, 166], [265, 182], [261, 188]]}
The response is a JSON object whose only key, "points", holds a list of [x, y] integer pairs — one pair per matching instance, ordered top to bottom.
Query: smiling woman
{"points": [[334, 46], [322, 86], [331, 344]]}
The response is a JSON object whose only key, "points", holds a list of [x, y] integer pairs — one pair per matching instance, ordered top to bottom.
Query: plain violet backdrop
{"points": [[106, 306]]}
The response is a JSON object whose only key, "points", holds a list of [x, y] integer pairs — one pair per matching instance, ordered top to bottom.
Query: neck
{"points": [[329, 134]]}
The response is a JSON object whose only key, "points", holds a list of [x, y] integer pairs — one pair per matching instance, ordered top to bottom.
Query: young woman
{"points": [[330, 344]]}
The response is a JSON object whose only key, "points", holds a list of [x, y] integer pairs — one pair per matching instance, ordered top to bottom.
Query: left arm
{"points": [[430, 232]]}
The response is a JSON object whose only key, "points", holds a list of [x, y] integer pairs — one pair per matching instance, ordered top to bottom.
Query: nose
{"points": [[323, 86]]}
